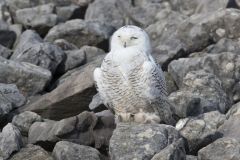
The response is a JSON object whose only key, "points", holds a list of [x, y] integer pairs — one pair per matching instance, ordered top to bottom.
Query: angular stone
{"points": [[105, 11], [40, 17], [80, 32], [65, 45], [32, 49], [5, 52], [74, 58], [225, 66], [30, 79], [200, 92], [72, 96], [10, 98], [24, 121], [85, 129], [200, 131], [10, 141], [140, 141], [223, 148], [71, 151], [175, 151], [32, 152], [190, 157]]}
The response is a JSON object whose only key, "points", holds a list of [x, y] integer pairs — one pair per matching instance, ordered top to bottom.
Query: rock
{"points": [[82, 2], [105, 11], [65, 13], [41, 18], [80, 32], [197, 32], [7, 38], [65, 45], [224, 45], [32, 49], [5, 52], [92, 52], [74, 58], [225, 66], [30, 79], [74, 90], [200, 92], [10, 98], [24, 121], [230, 126], [85, 129], [200, 131], [144, 140], [10, 141], [223, 148], [70, 151], [175, 151], [32, 152], [190, 157]]}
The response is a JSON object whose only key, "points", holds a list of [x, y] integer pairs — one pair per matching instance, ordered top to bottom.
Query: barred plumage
{"points": [[129, 81]]}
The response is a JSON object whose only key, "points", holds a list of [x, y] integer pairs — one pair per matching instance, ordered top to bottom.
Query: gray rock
{"points": [[82, 2], [105, 11], [64, 13], [41, 18], [80, 32], [197, 32], [7, 37], [65, 45], [225, 45], [32, 49], [5, 52], [92, 53], [74, 58], [225, 66], [30, 79], [171, 85], [74, 90], [200, 92], [10, 98], [24, 121], [230, 127], [85, 129], [200, 131], [10, 141], [140, 141], [224, 148], [70, 151], [175, 151], [32, 152], [190, 157]]}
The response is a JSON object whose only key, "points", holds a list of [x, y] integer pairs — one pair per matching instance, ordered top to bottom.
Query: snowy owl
{"points": [[129, 81]]}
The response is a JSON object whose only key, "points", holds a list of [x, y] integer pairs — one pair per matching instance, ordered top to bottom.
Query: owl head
{"points": [[130, 36]]}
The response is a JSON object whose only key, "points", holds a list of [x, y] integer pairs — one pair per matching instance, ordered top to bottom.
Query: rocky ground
{"points": [[49, 107]]}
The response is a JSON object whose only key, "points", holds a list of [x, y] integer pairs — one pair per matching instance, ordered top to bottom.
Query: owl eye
{"points": [[119, 36], [133, 38]]}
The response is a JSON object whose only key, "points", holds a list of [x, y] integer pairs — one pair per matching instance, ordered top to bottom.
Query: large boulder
{"points": [[80, 32], [32, 49], [5, 52], [225, 66], [30, 79], [200, 92], [73, 94], [10, 98], [23, 121], [84, 129], [200, 131], [10, 141], [141, 141], [223, 148], [70, 151], [32, 152]]}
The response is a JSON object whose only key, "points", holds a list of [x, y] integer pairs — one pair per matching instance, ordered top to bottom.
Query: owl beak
{"points": [[125, 44]]}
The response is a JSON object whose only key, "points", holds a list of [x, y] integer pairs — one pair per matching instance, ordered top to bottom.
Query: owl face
{"points": [[130, 36]]}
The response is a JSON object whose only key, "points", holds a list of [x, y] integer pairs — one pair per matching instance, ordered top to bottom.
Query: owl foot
{"points": [[124, 117], [142, 117]]}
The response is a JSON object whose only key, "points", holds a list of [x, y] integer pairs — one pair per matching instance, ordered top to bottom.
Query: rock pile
{"points": [[49, 107]]}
